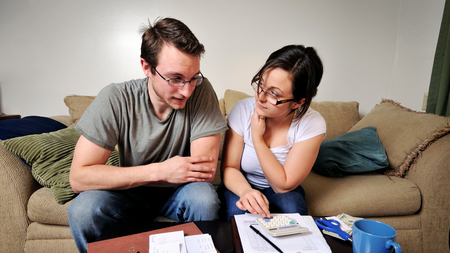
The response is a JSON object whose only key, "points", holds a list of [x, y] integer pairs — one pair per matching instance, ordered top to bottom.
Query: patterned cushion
{"points": [[403, 132], [50, 157]]}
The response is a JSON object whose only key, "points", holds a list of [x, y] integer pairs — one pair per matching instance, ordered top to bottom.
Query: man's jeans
{"points": [[289, 202], [92, 211]]}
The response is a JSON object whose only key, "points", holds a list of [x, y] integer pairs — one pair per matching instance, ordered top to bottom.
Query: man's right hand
{"points": [[179, 170]]}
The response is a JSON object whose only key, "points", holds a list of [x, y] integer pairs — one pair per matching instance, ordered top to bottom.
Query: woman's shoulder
{"points": [[246, 102], [244, 105], [241, 113]]}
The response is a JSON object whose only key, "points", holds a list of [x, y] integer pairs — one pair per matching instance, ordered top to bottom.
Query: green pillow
{"points": [[354, 152], [50, 157]]}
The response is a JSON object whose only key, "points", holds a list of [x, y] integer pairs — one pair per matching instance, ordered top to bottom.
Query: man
{"points": [[166, 127]]}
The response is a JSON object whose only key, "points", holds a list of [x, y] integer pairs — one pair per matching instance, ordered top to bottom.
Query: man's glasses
{"points": [[178, 82], [271, 98]]}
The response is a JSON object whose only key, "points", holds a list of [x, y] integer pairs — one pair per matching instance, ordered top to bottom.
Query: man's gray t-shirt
{"points": [[121, 114]]}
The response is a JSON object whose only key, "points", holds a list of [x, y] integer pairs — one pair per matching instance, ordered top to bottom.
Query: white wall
{"points": [[370, 49]]}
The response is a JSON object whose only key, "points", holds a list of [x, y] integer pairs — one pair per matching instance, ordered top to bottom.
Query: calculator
{"points": [[280, 225]]}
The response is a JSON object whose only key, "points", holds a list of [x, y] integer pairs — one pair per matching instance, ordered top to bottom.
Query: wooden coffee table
{"points": [[220, 231], [224, 234]]}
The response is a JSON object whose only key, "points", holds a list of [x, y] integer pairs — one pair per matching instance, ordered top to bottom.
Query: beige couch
{"points": [[415, 202]]}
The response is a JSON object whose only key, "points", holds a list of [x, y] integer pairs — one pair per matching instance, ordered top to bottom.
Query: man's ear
{"points": [[146, 68], [298, 104]]}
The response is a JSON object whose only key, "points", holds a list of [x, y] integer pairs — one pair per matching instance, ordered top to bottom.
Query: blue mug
{"points": [[370, 236]]}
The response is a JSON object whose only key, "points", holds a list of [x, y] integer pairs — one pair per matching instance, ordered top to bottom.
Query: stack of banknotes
{"points": [[346, 222]]}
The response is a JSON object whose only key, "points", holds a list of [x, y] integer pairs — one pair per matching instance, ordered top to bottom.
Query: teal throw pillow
{"points": [[354, 152], [50, 157]]}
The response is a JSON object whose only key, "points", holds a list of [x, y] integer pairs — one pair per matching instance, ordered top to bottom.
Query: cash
{"points": [[347, 219], [346, 222]]}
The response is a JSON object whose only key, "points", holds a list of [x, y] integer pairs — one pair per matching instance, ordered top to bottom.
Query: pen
{"points": [[265, 238]]}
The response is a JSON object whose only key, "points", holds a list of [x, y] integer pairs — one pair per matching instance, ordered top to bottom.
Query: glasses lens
{"points": [[197, 81], [176, 82], [255, 86], [271, 99]]}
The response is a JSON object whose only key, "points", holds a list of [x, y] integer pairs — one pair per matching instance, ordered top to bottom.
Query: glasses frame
{"points": [[199, 81], [257, 87]]}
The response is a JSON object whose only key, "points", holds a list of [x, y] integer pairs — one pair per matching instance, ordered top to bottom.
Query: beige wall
{"points": [[371, 49]]}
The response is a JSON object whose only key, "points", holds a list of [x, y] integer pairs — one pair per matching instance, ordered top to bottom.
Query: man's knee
{"points": [[200, 191], [202, 199], [87, 205], [79, 208]]}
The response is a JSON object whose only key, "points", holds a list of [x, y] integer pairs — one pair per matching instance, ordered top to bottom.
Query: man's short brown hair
{"points": [[169, 31]]}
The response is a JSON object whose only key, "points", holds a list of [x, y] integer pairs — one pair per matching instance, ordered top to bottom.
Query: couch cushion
{"points": [[231, 97], [77, 105], [339, 116], [404, 133], [354, 152], [50, 156], [365, 195], [43, 208], [40, 231]]}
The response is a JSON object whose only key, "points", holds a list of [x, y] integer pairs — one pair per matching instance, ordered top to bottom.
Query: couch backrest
{"points": [[77, 105], [340, 116]]}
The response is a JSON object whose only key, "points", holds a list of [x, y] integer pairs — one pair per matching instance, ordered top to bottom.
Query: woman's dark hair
{"points": [[169, 31], [305, 71]]}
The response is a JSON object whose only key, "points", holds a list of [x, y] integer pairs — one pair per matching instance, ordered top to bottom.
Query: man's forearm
{"points": [[207, 146], [108, 177]]}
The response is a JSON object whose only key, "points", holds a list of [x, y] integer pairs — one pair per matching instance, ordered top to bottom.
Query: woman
{"points": [[274, 138]]}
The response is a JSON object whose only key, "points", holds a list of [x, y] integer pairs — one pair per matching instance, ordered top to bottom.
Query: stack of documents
{"points": [[176, 242], [308, 242]]}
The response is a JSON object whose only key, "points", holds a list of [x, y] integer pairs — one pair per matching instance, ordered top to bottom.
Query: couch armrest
{"points": [[431, 173], [16, 187]]}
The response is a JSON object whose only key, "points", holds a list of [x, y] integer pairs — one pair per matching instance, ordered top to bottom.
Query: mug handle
{"points": [[396, 246]]}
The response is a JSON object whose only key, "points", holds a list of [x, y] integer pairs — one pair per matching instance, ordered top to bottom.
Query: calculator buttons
{"points": [[280, 225]]}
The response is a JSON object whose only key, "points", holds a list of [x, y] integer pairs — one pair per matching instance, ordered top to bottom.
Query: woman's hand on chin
{"points": [[258, 126]]}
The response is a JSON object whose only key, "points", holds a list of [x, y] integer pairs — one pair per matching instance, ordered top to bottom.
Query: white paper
{"points": [[315, 229], [171, 242], [308, 242], [200, 244], [173, 247]]}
